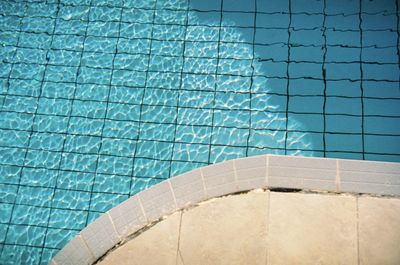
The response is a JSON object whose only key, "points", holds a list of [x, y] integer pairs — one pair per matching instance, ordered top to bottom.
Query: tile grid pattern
{"points": [[43, 180], [161, 199]]}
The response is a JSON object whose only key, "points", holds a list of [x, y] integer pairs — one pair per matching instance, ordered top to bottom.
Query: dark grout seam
{"points": [[178, 252]]}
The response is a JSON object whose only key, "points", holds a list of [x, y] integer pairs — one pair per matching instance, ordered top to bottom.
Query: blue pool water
{"points": [[101, 99]]}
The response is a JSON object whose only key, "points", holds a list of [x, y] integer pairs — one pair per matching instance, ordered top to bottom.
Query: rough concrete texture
{"points": [[235, 226], [263, 227], [312, 229], [379, 230]]}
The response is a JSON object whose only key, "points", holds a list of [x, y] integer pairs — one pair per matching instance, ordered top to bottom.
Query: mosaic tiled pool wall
{"points": [[101, 99]]}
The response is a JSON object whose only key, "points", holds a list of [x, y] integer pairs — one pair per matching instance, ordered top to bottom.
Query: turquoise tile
{"points": [[74, 12], [104, 14], [137, 15], [38, 24], [103, 29], [35, 40], [100, 44], [64, 57], [28, 71], [61, 73], [58, 90], [92, 92], [154, 96], [196, 99], [20, 104], [90, 109], [123, 112], [159, 114], [194, 116], [232, 118], [50, 124], [79, 125], [121, 129], [158, 132], [193, 134], [230, 136], [10, 138], [267, 139], [84, 144], [118, 147], [154, 149], [191, 152], [222, 153], [12, 156], [43, 159], [79, 162], [114, 165], [178, 167], [150, 168], [9, 174], [39, 177], [75, 180], [112, 183], [139, 184], [35, 196], [71, 199], [103, 202], [6, 209], [30, 215], [58, 238], [20, 255]]}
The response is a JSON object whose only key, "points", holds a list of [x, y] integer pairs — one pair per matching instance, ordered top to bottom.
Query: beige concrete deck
{"points": [[263, 227], [327, 228]]}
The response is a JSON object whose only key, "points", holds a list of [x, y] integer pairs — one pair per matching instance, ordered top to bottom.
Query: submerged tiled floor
{"points": [[101, 99]]}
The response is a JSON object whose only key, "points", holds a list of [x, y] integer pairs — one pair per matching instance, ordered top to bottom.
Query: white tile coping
{"points": [[265, 171]]}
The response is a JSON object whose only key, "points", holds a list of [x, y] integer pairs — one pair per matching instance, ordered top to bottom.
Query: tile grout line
{"points": [[289, 55], [361, 69], [216, 74], [252, 78], [179, 93], [139, 121], [324, 134], [338, 179], [204, 183], [173, 194], [142, 208], [113, 225], [87, 246]]}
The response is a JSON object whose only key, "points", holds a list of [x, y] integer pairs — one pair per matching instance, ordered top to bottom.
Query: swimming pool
{"points": [[101, 99]]}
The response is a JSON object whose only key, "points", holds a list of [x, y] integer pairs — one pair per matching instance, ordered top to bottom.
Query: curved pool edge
{"points": [[232, 176]]}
